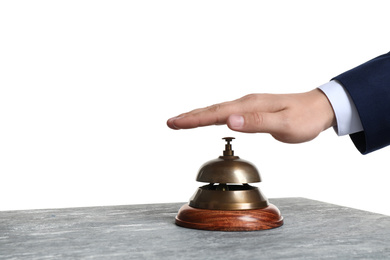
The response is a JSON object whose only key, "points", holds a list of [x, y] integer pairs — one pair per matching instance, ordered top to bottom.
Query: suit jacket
{"points": [[369, 87]]}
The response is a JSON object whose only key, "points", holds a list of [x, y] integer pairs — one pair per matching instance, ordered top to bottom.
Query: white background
{"points": [[86, 88]]}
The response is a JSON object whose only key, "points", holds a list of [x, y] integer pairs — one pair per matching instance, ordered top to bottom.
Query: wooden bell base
{"points": [[229, 220]]}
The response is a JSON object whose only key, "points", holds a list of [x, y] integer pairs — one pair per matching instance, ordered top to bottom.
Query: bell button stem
{"points": [[228, 147]]}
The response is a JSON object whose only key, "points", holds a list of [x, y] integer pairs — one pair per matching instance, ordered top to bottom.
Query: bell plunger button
{"points": [[228, 147]]}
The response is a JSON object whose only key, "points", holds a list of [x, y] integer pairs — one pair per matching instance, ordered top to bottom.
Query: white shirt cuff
{"points": [[347, 117]]}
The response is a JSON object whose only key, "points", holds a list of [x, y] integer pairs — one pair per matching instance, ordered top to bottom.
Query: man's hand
{"points": [[290, 118]]}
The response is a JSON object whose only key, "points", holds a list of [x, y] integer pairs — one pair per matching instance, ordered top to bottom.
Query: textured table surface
{"points": [[311, 230]]}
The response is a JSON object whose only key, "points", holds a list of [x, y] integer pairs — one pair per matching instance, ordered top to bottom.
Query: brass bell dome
{"points": [[228, 168], [228, 189]]}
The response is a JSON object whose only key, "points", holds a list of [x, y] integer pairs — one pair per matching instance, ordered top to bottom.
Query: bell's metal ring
{"points": [[228, 197]]}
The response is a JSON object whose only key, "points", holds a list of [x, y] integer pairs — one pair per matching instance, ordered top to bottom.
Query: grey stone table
{"points": [[312, 230]]}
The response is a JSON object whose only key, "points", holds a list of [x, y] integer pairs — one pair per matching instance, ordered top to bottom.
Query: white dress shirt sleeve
{"points": [[347, 117]]}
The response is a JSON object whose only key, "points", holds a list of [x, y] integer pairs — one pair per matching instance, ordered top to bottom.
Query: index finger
{"points": [[212, 115]]}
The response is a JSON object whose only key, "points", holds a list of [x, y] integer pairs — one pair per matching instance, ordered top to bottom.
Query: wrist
{"points": [[324, 108], [346, 115]]}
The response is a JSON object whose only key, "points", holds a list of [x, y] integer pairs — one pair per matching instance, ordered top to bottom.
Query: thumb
{"points": [[254, 123]]}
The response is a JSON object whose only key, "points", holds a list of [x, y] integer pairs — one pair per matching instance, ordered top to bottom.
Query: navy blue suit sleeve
{"points": [[369, 88]]}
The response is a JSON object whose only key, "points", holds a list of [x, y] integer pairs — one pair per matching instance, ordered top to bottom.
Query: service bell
{"points": [[228, 202]]}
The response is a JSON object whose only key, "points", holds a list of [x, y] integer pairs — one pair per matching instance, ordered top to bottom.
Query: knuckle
{"points": [[249, 97], [214, 108], [258, 118]]}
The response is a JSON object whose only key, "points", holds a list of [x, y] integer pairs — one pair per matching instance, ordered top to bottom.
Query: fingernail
{"points": [[172, 121], [236, 121]]}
